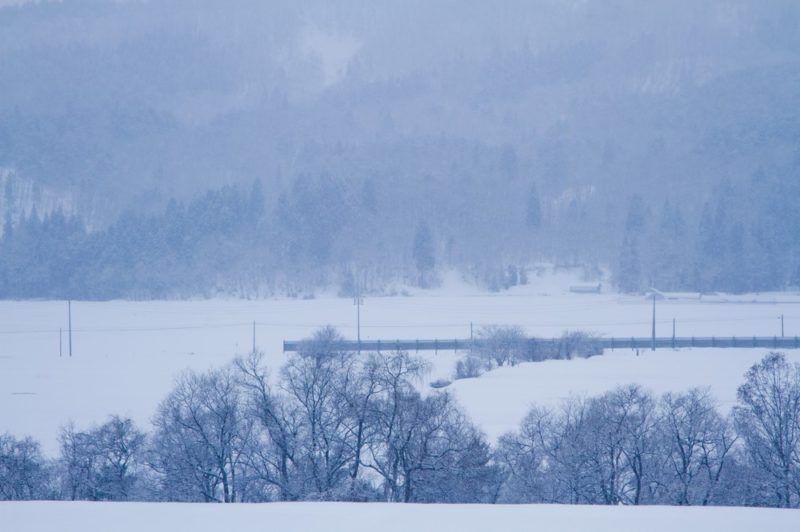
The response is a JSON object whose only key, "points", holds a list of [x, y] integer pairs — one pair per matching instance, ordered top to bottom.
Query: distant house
{"points": [[586, 288], [651, 293], [674, 296]]}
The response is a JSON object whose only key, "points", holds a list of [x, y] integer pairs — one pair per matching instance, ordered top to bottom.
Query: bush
{"points": [[579, 343], [502, 345], [470, 367], [24, 474]]}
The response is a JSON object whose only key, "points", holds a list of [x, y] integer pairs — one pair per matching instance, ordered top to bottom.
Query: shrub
{"points": [[579, 343], [502, 345], [470, 367]]}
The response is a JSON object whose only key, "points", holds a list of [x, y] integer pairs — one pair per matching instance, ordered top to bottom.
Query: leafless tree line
{"points": [[504, 345], [337, 426], [627, 447]]}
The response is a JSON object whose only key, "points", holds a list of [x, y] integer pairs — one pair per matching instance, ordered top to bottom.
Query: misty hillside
{"points": [[179, 148]]}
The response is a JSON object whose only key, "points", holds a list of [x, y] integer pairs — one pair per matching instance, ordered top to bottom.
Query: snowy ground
{"points": [[126, 354], [499, 399], [124, 517]]}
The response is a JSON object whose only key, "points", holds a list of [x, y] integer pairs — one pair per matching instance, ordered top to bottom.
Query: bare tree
{"points": [[578, 343], [502, 345], [320, 379], [361, 391], [390, 413], [768, 420], [624, 423], [201, 438], [697, 443], [427, 451], [273, 457], [553, 457], [447, 459], [526, 459], [77, 463], [103, 463], [572, 470], [24, 474]]}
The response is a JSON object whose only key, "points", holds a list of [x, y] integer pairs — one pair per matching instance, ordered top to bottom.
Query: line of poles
{"points": [[358, 301]]}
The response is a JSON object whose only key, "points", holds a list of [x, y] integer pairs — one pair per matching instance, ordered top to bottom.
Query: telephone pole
{"points": [[358, 301], [69, 318], [782, 326], [653, 336], [471, 339]]}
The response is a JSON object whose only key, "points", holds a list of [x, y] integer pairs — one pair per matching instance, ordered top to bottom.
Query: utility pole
{"points": [[358, 301], [69, 317], [782, 326], [673, 332], [653, 336], [470, 338]]}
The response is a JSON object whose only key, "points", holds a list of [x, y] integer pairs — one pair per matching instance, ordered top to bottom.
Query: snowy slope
{"points": [[153, 517]]}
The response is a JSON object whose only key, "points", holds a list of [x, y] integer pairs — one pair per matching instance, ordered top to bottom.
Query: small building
{"points": [[586, 288], [652, 293]]}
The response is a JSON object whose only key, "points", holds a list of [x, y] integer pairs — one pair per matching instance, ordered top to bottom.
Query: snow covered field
{"points": [[126, 354], [499, 399], [134, 517]]}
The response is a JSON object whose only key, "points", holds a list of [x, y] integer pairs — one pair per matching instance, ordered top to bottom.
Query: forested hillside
{"points": [[179, 148]]}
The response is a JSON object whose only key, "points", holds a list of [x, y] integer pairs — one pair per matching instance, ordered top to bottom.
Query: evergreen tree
{"points": [[256, 206], [533, 212], [637, 215], [8, 226], [706, 252], [669, 254], [424, 255], [734, 269], [629, 272]]}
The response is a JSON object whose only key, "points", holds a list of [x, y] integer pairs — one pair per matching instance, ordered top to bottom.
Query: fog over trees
{"points": [[182, 148]]}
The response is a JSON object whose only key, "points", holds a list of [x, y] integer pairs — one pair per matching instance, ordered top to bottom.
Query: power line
{"points": [[464, 325]]}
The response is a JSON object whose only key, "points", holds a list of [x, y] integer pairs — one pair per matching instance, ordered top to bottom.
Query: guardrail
{"points": [[455, 344]]}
